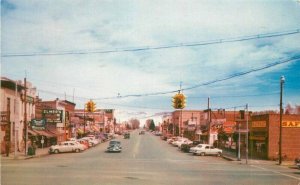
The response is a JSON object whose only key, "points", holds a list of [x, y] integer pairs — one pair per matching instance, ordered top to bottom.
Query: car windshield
{"points": [[114, 143]]}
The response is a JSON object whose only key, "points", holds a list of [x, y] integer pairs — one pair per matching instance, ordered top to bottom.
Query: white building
{"points": [[12, 109]]}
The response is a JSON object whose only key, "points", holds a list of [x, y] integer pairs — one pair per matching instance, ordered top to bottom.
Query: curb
{"points": [[227, 158]]}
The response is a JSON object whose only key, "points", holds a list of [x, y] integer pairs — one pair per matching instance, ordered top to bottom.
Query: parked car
{"points": [[142, 132], [172, 139], [91, 140], [180, 140], [184, 141], [84, 142], [67, 146], [114, 146], [186, 147], [205, 149], [297, 162]]}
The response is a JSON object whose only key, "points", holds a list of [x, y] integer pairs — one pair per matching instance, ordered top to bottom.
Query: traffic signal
{"points": [[179, 101], [90, 106], [93, 106]]}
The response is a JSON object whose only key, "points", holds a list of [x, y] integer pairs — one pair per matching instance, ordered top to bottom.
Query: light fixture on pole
{"points": [[282, 80]]}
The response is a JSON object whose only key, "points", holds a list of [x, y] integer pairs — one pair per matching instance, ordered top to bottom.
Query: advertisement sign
{"points": [[53, 115], [4, 117], [39, 124], [259, 124], [291, 124]]}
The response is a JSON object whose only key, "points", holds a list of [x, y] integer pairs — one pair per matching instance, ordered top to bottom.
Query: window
{"points": [[207, 147]]}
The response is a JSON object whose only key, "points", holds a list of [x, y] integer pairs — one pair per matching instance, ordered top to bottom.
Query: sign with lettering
{"points": [[53, 115], [3, 116], [38, 124], [259, 124], [291, 124]]}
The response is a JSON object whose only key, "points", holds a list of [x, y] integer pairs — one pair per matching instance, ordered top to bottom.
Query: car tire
{"points": [[77, 150], [56, 151], [202, 154], [219, 154]]}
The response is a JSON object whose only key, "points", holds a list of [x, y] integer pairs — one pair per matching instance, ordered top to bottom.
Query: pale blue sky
{"points": [[81, 26]]}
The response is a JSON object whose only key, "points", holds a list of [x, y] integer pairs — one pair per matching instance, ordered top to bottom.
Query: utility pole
{"points": [[282, 80], [25, 116], [209, 120], [15, 125], [247, 125]]}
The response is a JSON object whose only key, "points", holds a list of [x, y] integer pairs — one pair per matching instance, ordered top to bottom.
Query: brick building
{"points": [[264, 136]]}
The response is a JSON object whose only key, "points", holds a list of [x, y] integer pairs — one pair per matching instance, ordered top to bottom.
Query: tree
{"points": [[135, 123], [152, 125], [222, 136]]}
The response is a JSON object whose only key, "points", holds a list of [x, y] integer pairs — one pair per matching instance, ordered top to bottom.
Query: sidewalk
{"points": [[21, 155], [230, 156]]}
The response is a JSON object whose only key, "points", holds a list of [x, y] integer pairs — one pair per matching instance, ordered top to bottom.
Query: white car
{"points": [[179, 141], [185, 141], [92, 142], [66, 146], [205, 149]]}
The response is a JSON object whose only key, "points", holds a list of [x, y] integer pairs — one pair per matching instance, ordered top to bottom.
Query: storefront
{"points": [[264, 136]]}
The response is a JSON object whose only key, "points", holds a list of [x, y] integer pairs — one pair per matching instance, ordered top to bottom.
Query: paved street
{"points": [[145, 159]]}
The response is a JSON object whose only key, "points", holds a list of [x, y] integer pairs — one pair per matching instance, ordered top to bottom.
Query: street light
{"points": [[282, 80]]}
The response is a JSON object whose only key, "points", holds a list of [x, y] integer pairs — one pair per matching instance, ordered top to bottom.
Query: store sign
{"points": [[52, 115], [3, 116], [38, 124], [259, 124], [291, 124], [191, 127], [259, 138]]}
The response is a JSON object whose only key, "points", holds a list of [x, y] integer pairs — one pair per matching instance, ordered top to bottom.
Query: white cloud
{"points": [[55, 26]]}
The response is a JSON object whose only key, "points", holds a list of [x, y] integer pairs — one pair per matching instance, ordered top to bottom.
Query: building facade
{"points": [[15, 117], [264, 136]]}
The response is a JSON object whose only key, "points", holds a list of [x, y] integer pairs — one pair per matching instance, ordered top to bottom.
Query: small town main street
{"points": [[145, 159]]}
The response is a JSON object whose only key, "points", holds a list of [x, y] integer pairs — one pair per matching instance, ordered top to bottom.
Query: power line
{"points": [[144, 48], [294, 58], [291, 59], [234, 96]]}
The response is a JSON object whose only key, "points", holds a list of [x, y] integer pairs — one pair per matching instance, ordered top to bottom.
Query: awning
{"points": [[95, 128], [79, 131], [32, 132], [55, 132], [45, 133]]}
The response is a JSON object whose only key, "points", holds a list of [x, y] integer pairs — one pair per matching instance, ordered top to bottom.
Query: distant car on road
{"points": [[142, 132], [126, 136], [67, 146], [114, 146], [205, 149]]}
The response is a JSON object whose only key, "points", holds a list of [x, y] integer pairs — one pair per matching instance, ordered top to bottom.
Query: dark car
{"points": [[142, 132], [126, 136], [114, 146], [186, 147], [297, 162]]}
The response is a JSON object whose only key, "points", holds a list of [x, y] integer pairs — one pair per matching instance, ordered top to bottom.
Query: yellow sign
{"points": [[290, 123], [259, 124], [259, 138]]}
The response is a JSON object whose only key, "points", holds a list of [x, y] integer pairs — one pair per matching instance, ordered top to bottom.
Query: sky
{"points": [[108, 50]]}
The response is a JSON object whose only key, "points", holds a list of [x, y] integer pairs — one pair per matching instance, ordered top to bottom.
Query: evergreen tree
{"points": [[152, 125]]}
